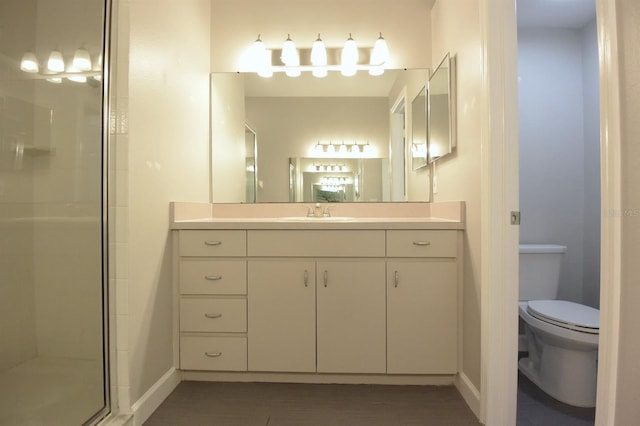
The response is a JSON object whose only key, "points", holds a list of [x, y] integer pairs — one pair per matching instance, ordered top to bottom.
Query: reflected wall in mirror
{"points": [[441, 110], [291, 117], [419, 130], [251, 153]]}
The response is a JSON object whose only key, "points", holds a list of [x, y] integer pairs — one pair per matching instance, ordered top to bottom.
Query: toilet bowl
{"points": [[561, 337], [562, 344]]}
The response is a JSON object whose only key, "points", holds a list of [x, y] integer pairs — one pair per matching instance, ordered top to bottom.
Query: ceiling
{"points": [[574, 14]]}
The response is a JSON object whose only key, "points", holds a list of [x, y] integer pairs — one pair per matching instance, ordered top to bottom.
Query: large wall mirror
{"points": [[441, 110], [306, 129]]}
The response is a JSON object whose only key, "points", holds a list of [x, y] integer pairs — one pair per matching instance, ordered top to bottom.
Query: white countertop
{"points": [[200, 216]]}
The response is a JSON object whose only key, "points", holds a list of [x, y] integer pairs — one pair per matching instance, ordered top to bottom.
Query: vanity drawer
{"points": [[213, 243], [321, 243], [422, 243], [206, 276], [213, 315], [227, 353]]}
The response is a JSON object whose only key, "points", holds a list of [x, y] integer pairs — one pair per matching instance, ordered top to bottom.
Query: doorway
{"points": [[498, 405]]}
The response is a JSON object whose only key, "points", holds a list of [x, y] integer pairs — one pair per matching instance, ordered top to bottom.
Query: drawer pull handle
{"points": [[213, 243], [421, 243], [213, 277], [306, 278], [326, 278], [396, 279], [213, 315], [213, 354]]}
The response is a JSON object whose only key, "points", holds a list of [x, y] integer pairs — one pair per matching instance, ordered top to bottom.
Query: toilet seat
{"points": [[565, 314]]}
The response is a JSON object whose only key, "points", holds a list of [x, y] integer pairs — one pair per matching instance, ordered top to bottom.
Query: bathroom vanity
{"points": [[267, 293]]}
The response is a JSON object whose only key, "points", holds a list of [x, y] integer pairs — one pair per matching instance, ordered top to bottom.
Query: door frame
{"points": [[499, 263]]}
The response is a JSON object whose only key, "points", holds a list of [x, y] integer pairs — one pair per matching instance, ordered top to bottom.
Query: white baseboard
{"points": [[469, 392], [151, 400]]}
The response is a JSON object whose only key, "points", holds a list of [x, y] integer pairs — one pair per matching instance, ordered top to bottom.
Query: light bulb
{"points": [[380, 54], [289, 55], [349, 57], [319, 58], [82, 60], [55, 62], [29, 63], [264, 64], [293, 68], [343, 148], [319, 149]]}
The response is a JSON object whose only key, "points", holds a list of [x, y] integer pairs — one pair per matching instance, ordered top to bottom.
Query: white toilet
{"points": [[561, 337]]}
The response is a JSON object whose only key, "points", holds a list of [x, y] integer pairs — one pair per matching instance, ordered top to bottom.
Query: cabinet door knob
{"points": [[213, 243], [421, 243], [213, 277], [306, 278], [326, 278], [396, 278], [216, 315], [213, 354]]}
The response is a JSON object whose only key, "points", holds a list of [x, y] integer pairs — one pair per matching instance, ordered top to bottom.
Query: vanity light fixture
{"points": [[317, 58], [29, 63]]}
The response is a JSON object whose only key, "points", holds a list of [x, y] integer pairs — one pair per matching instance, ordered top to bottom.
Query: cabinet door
{"points": [[281, 316], [351, 316], [422, 317]]}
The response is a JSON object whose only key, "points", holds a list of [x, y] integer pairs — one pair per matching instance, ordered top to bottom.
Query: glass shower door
{"points": [[53, 366]]}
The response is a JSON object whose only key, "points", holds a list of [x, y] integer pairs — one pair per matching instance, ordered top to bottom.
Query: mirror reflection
{"points": [[440, 110], [332, 120], [419, 130]]}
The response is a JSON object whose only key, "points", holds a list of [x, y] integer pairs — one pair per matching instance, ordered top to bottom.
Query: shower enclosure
{"points": [[53, 345]]}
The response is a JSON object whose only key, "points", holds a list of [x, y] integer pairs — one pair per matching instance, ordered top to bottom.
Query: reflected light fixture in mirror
{"points": [[82, 60], [55, 62], [29, 63], [352, 150]]}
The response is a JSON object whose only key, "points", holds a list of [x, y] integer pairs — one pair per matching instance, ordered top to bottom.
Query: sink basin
{"points": [[316, 219]]}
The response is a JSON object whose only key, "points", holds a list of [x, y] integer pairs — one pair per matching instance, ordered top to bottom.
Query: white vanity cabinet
{"points": [[316, 292], [325, 302], [422, 302], [212, 305], [282, 315], [351, 316]]}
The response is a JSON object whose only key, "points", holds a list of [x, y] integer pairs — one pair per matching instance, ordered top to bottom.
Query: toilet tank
{"points": [[540, 271]]}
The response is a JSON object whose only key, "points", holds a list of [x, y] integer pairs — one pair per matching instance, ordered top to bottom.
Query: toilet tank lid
{"points": [[542, 248]]}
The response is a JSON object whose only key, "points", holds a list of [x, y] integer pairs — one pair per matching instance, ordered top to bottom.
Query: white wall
{"points": [[456, 29], [162, 122], [290, 127], [228, 168], [553, 199], [627, 406]]}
